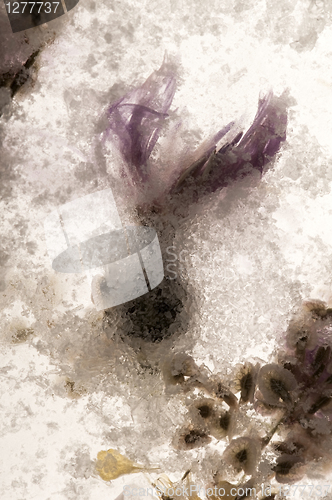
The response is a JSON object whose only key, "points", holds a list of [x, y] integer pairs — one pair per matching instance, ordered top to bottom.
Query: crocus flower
{"points": [[134, 123]]}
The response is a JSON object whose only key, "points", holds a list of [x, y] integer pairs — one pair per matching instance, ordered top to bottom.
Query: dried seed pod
{"points": [[99, 291], [316, 307], [302, 330], [299, 337], [321, 359], [180, 369], [245, 381], [276, 384], [216, 388], [322, 400], [204, 408], [218, 420], [222, 424], [191, 437], [298, 443], [243, 454], [289, 468], [161, 484], [165, 487], [190, 487]]}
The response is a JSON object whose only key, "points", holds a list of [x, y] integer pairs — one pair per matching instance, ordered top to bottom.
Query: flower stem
{"points": [[269, 435]]}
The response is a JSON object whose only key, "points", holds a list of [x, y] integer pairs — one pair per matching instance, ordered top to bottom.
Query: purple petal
{"points": [[136, 119], [262, 140], [240, 156]]}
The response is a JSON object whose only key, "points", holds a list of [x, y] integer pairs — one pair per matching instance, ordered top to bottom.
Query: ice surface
{"points": [[73, 381]]}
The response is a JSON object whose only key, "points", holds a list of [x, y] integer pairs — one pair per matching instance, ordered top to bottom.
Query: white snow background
{"points": [[253, 253]]}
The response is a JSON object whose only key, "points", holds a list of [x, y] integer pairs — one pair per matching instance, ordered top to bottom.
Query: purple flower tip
{"points": [[134, 121], [253, 150]]}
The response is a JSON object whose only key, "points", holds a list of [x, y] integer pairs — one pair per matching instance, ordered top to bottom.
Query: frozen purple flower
{"points": [[134, 125]]}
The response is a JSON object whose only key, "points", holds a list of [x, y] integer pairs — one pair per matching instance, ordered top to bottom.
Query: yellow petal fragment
{"points": [[111, 464]]}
